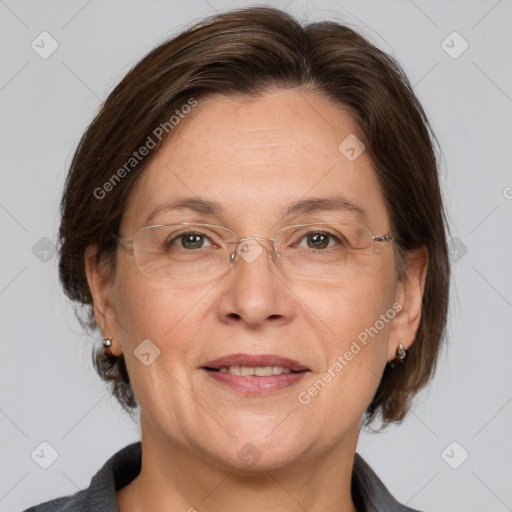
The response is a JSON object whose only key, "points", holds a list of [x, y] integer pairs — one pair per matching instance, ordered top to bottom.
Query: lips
{"points": [[254, 361], [255, 374]]}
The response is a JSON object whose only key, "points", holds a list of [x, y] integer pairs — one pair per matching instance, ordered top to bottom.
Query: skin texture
{"points": [[253, 157]]}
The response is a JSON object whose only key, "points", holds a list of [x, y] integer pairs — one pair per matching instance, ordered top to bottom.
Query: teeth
{"points": [[259, 371]]}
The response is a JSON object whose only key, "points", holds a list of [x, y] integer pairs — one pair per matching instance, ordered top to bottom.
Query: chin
{"points": [[258, 452]]}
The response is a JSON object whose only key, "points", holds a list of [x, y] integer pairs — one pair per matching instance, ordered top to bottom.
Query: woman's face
{"points": [[255, 158]]}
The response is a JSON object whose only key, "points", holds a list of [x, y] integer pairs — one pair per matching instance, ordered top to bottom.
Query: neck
{"points": [[174, 478]]}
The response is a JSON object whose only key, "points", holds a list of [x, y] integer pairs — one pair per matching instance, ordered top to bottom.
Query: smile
{"points": [[259, 371], [256, 381]]}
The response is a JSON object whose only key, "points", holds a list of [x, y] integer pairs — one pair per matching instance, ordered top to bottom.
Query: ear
{"points": [[100, 283], [409, 295]]}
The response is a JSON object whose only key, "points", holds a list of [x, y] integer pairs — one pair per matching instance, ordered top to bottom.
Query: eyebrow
{"points": [[192, 203], [326, 204], [301, 207]]}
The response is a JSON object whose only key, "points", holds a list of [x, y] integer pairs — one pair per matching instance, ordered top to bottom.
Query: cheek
{"points": [[148, 309], [348, 310], [171, 318], [358, 321]]}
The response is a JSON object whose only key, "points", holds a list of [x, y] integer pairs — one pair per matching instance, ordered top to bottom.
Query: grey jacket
{"points": [[368, 492]]}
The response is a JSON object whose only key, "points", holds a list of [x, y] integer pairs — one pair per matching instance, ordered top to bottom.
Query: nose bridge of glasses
{"points": [[249, 248]]}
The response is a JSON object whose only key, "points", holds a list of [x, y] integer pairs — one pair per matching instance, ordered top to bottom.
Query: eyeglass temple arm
{"points": [[383, 238]]}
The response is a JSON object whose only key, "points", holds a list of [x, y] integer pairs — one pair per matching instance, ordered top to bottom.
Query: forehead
{"points": [[254, 157]]}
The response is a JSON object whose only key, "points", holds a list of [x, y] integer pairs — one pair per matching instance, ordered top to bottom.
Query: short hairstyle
{"points": [[245, 53]]}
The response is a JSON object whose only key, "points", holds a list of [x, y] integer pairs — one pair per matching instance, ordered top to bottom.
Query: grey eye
{"points": [[190, 240]]}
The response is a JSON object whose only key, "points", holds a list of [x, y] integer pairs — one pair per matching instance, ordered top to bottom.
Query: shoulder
{"points": [[117, 472], [369, 492]]}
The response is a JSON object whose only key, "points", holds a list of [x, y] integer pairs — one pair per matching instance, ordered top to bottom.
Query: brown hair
{"points": [[247, 52]]}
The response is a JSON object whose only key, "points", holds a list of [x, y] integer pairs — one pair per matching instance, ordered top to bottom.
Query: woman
{"points": [[255, 223]]}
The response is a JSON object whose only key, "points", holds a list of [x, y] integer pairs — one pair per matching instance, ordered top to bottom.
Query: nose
{"points": [[254, 291]]}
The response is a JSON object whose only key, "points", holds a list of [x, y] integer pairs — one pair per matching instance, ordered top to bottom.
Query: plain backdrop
{"points": [[453, 452]]}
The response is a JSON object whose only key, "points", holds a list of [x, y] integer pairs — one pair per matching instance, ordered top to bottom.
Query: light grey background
{"points": [[49, 390]]}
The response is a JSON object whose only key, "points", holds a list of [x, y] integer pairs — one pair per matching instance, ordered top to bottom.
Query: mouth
{"points": [[249, 363], [258, 371], [255, 374]]}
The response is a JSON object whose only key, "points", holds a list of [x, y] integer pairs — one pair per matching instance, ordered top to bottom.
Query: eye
{"points": [[188, 240], [319, 240]]}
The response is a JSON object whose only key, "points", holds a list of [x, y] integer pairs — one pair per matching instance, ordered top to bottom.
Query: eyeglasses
{"points": [[195, 251]]}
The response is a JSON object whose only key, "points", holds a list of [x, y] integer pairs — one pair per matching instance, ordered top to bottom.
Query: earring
{"points": [[107, 343], [401, 356]]}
